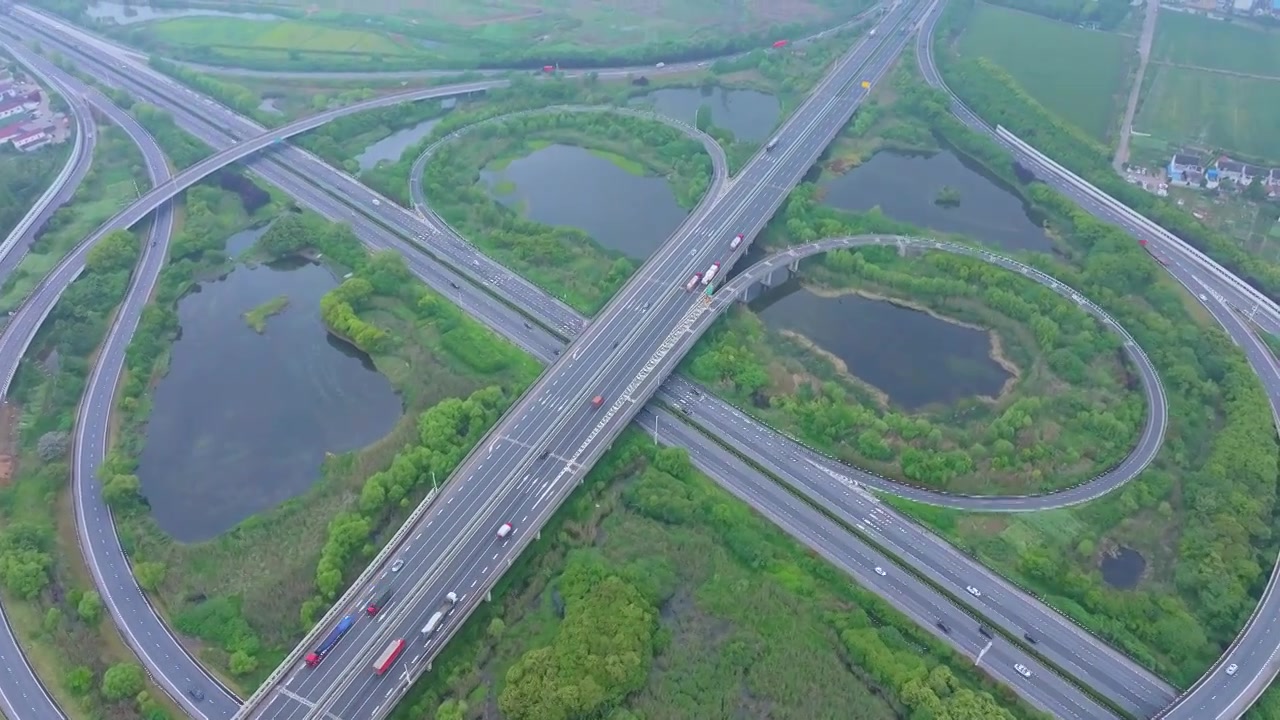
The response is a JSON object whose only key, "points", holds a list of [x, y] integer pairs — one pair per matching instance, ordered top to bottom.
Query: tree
{"points": [[52, 445], [150, 575], [90, 607], [242, 663], [79, 680], [123, 681]]}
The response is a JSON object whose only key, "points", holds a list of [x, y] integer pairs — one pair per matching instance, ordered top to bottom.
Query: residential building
{"points": [[1242, 6], [13, 108], [32, 139], [1182, 167]]}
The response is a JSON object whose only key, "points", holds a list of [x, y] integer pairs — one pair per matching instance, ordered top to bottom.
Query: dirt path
{"points": [[1220, 71], [1131, 109], [10, 414]]}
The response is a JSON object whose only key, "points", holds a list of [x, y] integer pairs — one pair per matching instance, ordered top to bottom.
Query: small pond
{"points": [[748, 114], [390, 148], [565, 185], [905, 186], [914, 358], [243, 420], [1123, 568]]}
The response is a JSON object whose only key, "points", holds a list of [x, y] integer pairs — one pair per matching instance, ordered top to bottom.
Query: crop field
{"points": [[458, 27], [283, 35], [1185, 39], [1088, 91], [1237, 114]]}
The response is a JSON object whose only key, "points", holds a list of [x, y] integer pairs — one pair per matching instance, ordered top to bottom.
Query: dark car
{"points": [[943, 627], [985, 631], [1030, 638], [196, 693]]}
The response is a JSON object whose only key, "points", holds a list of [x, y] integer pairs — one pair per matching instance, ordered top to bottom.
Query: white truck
{"points": [[710, 274], [437, 618]]}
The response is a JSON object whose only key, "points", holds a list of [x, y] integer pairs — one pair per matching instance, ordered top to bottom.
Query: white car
{"points": [[395, 566], [880, 571], [973, 591], [1231, 669], [1022, 670]]}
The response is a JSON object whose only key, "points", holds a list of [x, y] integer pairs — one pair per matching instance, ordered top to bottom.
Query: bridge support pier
{"points": [[537, 535], [488, 597]]}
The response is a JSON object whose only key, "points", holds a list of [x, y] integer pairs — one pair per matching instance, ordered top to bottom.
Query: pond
{"points": [[132, 13], [748, 114], [390, 148], [906, 185], [571, 186], [914, 358], [243, 420], [1123, 568]]}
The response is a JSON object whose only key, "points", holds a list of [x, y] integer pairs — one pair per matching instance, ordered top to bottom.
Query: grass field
{"points": [[399, 31], [282, 35], [1193, 40], [1087, 90], [1236, 114]]}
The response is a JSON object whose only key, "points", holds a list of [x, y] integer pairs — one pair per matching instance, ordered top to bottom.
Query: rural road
{"points": [[1144, 55]]}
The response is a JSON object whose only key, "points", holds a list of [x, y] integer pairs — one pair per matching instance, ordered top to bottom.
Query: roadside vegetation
{"points": [[402, 36], [1090, 91], [998, 98], [24, 177], [115, 179], [565, 261], [432, 354], [1070, 411], [1199, 516], [48, 595], [695, 607]]}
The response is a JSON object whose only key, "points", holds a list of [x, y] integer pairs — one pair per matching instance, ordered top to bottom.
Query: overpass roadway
{"points": [[14, 247], [508, 323], [538, 452], [1256, 650]]}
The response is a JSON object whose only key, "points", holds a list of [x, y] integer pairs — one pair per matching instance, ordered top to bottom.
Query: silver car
{"points": [[395, 566]]}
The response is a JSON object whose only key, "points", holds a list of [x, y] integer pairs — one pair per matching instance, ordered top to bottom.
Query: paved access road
{"points": [[460, 292], [1255, 654]]}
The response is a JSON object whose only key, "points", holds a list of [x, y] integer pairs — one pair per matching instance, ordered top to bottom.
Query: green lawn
{"points": [[1193, 40], [1079, 74], [1240, 115]]}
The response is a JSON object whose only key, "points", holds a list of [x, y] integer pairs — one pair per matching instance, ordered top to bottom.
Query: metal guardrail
{"points": [[371, 569]]}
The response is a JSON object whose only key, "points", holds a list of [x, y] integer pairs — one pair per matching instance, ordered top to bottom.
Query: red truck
{"points": [[781, 43], [548, 68], [1157, 258], [388, 656]]}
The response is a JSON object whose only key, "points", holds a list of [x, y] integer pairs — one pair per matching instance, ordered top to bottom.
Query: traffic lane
{"points": [[471, 496], [862, 511], [479, 546], [918, 601], [1012, 609], [138, 622], [21, 694]]}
